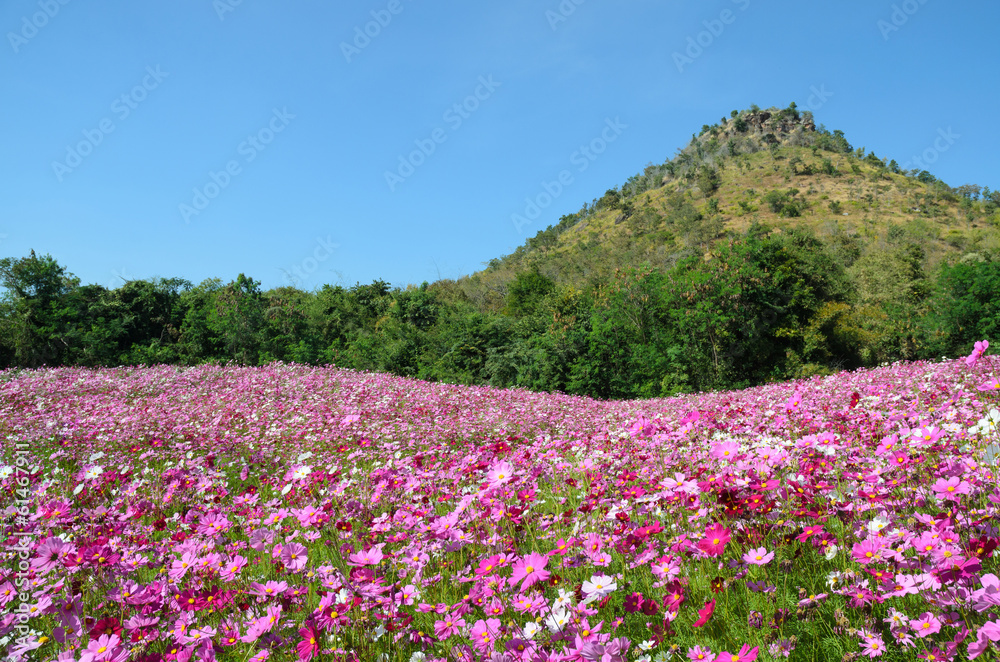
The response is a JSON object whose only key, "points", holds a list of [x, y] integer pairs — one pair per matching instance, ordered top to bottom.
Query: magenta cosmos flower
{"points": [[714, 542], [704, 614], [484, 633], [746, 654]]}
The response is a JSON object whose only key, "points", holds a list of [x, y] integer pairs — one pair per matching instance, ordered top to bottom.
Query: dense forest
{"points": [[766, 249]]}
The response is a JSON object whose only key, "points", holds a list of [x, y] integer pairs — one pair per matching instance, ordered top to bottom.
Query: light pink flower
{"points": [[759, 556]]}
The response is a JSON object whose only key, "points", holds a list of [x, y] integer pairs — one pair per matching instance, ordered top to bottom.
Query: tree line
{"points": [[763, 307]]}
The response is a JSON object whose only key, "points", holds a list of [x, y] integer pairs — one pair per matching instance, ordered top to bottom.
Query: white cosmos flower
{"points": [[989, 424], [5, 471], [93, 472], [302, 472], [877, 524], [598, 587], [564, 600], [557, 620], [531, 629]]}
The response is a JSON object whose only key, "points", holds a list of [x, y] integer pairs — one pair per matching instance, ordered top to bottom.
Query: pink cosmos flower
{"points": [[980, 347], [990, 385], [642, 427], [727, 450], [502, 472], [949, 489], [308, 515], [276, 517], [213, 524], [809, 531], [714, 542], [592, 544], [562, 547], [867, 551], [50, 553], [294, 556], [372, 556], [759, 556], [180, 566], [489, 566], [665, 567], [232, 568], [530, 570], [270, 589], [7, 593], [989, 595], [262, 625], [926, 625], [448, 626], [989, 631], [484, 633], [873, 646], [105, 649], [699, 653], [746, 654]]}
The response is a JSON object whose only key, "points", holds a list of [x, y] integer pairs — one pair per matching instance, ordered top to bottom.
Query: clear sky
{"points": [[201, 138]]}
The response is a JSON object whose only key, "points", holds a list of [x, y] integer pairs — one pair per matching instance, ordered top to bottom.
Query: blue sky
{"points": [[203, 138]]}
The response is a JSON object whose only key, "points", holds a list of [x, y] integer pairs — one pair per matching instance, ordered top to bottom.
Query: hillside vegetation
{"points": [[769, 167], [769, 248]]}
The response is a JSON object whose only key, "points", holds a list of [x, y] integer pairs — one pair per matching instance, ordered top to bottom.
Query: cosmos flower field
{"points": [[298, 513]]}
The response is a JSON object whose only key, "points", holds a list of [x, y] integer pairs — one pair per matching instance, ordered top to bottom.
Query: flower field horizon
{"points": [[299, 513]]}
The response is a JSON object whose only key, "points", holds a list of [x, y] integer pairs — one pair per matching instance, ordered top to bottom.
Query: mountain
{"points": [[771, 167]]}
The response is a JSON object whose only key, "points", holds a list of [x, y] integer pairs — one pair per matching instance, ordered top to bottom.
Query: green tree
{"points": [[708, 180], [527, 291], [965, 307], [36, 326]]}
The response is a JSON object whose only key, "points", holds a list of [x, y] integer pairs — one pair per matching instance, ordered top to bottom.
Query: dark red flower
{"points": [[107, 626]]}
